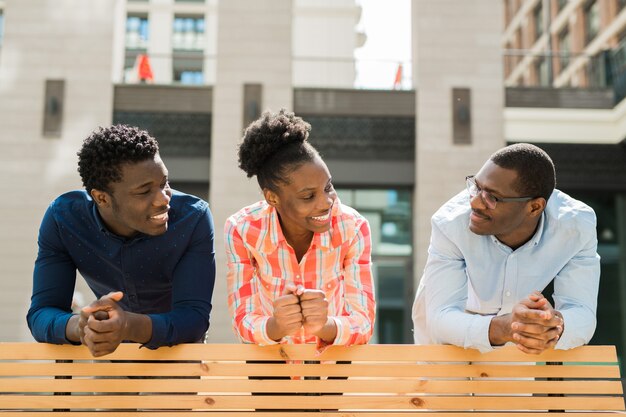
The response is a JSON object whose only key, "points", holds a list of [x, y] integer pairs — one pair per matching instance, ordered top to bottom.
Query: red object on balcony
{"points": [[144, 69], [397, 83]]}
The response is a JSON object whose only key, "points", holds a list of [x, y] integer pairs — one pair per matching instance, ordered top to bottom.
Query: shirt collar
{"points": [[103, 228], [274, 236], [534, 241]]}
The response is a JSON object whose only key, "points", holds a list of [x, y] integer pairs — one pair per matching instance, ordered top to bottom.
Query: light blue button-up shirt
{"points": [[469, 279]]}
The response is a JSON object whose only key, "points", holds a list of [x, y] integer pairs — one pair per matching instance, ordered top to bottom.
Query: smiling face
{"points": [[139, 202], [304, 204], [514, 222]]}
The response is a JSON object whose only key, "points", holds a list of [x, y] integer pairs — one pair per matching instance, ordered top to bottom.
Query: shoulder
{"points": [[188, 202], [71, 204], [185, 205], [256, 212], [566, 212], [454, 213], [348, 222]]}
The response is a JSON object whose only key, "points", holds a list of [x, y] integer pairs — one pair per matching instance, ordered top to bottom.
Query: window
{"points": [[561, 4], [620, 5], [538, 20], [592, 20], [136, 32], [188, 33], [137, 36], [564, 49], [541, 67], [388, 212]]}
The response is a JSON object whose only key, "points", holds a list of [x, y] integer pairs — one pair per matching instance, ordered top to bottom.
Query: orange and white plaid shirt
{"points": [[261, 263]]}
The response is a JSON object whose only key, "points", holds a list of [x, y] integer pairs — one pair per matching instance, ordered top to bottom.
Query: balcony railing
{"points": [[194, 67]]}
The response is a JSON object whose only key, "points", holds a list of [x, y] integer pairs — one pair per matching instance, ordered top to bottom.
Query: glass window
{"points": [[538, 19], [592, 20], [137, 32], [188, 33], [564, 48], [541, 66], [188, 67], [389, 213]]}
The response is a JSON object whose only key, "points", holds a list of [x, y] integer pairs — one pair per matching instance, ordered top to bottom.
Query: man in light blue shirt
{"points": [[495, 246]]}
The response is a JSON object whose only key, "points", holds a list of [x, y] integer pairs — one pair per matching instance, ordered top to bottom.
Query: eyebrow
{"points": [[148, 183], [314, 188], [489, 190]]}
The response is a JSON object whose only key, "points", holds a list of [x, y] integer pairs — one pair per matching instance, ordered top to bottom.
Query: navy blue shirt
{"points": [[168, 277]]}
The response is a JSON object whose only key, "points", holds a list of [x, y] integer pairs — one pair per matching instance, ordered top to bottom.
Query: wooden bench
{"points": [[390, 380]]}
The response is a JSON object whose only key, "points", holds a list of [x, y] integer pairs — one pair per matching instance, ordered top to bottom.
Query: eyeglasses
{"points": [[491, 201]]}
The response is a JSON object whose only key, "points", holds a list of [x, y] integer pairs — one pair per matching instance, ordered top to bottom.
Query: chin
{"points": [[477, 230]]}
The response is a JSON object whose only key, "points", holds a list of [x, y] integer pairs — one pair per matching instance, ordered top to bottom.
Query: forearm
{"points": [[138, 328], [71, 329], [500, 330], [328, 333]]}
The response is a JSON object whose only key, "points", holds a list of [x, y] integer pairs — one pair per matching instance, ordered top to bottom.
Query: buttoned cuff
{"points": [[59, 330], [343, 331], [159, 332], [260, 333], [477, 335], [570, 338]]}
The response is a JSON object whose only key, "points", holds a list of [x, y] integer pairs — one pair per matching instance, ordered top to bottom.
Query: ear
{"points": [[271, 197], [101, 198], [537, 206]]}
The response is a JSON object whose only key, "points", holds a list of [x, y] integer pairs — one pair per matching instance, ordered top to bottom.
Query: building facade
{"points": [[395, 156]]}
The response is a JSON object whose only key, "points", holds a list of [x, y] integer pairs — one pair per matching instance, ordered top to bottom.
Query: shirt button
{"points": [[508, 293]]}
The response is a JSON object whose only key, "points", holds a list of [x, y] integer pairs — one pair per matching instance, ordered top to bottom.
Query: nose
{"points": [[163, 197], [477, 202]]}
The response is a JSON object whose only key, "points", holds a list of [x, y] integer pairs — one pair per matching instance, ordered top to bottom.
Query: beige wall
{"points": [[455, 44], [254, 46], [77, 48]]}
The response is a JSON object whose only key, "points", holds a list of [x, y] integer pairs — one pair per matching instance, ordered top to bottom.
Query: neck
{"points": [[520, 236]]}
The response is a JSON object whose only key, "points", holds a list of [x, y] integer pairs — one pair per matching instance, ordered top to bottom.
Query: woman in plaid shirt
{"points": [[299, 261]]}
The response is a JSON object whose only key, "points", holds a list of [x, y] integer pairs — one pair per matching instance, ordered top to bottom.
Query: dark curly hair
{"points": [[273, 146], [106, 149], [534, 167]]}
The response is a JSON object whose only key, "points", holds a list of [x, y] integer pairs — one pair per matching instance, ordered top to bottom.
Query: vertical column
{"points": [[160, 40], [69, 41], [455, 45], [253, 47]]}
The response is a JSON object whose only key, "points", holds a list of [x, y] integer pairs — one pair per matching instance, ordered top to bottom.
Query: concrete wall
{"points": [[45, 39], [456, 44], [253, 46]]}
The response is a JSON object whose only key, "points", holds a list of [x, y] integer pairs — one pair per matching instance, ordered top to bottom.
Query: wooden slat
{"points": [[31, 351], [357, 370], [323, 386], [239, 402], [377, 413]]}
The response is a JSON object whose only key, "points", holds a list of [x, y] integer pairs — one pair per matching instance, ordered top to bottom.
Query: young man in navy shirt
{"points": [[145, 250]]}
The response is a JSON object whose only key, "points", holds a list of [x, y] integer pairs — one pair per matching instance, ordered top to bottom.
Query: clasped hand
{"points": [[297, 308], [102, 324], [535, 324]]}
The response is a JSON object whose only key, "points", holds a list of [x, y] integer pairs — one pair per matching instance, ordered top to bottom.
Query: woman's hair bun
{"points": [[266, 136]]}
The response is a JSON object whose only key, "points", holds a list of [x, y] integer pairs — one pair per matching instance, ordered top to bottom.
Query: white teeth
{"points": [[160, 216], [321, 218]]}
